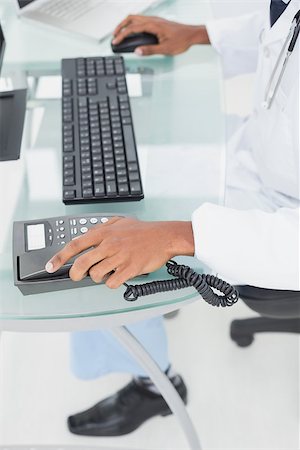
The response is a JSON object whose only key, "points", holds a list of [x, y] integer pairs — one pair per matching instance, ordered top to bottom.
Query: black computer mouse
{"points": [[131, 42]]}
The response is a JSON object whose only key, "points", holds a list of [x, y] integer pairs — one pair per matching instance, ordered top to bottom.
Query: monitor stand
{"points": [[12, 115]]}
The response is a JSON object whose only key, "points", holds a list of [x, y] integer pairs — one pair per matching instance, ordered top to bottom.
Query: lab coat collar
{"points": [[281, 27]]}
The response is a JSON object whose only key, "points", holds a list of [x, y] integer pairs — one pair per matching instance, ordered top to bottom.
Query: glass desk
{"points": [[179, 126]]}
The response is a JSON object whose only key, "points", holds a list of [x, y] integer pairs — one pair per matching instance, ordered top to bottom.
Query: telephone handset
{"points": [[36, 241]]}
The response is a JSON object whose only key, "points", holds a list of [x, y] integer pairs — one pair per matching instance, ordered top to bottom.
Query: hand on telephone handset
{"points": [[173, 37], [125, 246]]}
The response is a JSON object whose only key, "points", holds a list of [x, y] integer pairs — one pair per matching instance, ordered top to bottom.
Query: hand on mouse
{"points": [[174, 38], [125, 246]]}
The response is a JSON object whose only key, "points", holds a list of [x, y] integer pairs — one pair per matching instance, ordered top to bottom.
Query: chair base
{"points": [[242, 331]]}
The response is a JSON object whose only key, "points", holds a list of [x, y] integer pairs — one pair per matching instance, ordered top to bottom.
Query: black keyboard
{"points": [[100, 162]]}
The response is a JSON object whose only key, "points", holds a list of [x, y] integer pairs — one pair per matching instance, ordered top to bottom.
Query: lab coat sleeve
{"points": [[237, 41], [249, 247]]}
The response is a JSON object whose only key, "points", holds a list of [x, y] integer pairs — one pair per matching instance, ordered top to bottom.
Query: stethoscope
{"points": [[274, 82]]}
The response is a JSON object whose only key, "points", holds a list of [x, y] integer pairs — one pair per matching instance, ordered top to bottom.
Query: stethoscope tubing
{"points": [[293, 35]]}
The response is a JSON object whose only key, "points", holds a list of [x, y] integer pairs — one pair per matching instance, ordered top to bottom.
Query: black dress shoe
{"points": [[124, 411]]}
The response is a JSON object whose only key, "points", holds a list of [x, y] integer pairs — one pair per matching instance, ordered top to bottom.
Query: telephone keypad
{"points": [[66, 230]]}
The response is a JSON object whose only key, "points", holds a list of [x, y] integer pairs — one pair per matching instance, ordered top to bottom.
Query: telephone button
{"points": [[104, 219], [93, 220], [83, 221], [61, 222], [84, 230], [62, 236]]}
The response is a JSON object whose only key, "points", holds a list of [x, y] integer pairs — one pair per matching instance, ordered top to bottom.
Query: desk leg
{"points": [[161, 381]]}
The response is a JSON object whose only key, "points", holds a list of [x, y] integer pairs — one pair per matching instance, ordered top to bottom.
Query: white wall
{"points": [[223, 8]]}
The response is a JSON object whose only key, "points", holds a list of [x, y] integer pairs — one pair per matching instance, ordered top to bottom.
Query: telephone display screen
{"points": [[23, 3], [36, 239]]}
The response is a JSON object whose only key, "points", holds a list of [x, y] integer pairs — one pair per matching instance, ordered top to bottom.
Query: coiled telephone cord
{"points": [[187, 277]]}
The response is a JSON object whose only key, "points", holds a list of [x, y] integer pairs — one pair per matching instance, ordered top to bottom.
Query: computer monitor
{"points": [[2, 47], [12, 113]]}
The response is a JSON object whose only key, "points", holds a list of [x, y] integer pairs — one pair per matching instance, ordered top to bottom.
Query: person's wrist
{"points": [[199, 35], [181, 239]]}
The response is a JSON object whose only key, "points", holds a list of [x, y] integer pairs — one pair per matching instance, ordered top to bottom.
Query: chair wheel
{"points": [[243, 340]]}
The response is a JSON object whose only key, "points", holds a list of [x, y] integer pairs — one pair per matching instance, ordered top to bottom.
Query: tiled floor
{"points": [[240, 399]]}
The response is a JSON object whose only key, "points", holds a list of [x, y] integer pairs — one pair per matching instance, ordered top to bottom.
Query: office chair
{"points": [[280, 311]]}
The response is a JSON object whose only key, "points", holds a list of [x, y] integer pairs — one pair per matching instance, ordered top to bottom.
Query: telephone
{"points": [[36, 241]]}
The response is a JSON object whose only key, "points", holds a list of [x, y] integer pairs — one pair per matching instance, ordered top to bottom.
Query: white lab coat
{"points": [[254, 239]]}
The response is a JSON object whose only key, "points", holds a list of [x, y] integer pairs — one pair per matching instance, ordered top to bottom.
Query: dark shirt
{"points": [[277, 8]]}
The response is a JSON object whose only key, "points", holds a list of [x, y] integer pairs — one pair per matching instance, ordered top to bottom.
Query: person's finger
{"points": [[127, 21], [122, 24], [132, 29], [147, 50], [76, 246], [72, 249], [85, 262], [99, 271], [120, 276]]}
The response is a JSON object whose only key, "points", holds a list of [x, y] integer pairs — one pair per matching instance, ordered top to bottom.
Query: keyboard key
{"points": [[123, 98], [82, 102], [125, 113], [126, 121], [129, 144], [68, 158], [69, 165], [132, 167], [109, 169], [68, 173], [134, 176], [122, 180], [69, 181], [135, 187], [111, 188], [123, 189], [99, 190], [87, 193], [69, 194]]}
